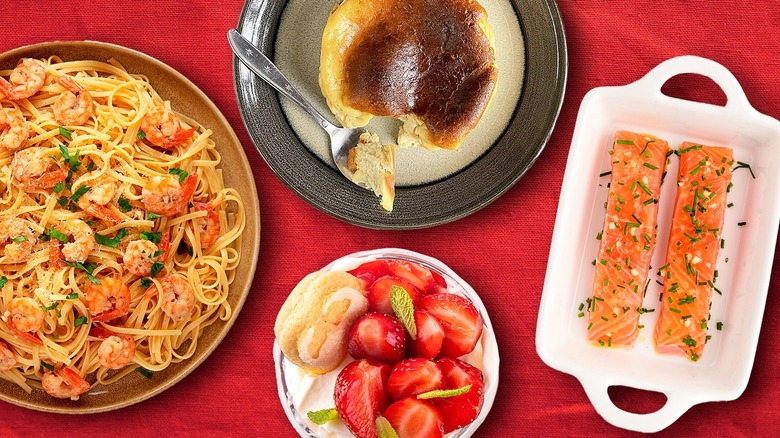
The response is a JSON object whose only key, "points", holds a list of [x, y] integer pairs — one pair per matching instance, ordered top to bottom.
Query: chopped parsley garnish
{"points": [[65, 132], [141, 135], [181, 172], [79, 193], [124, 204], [152, 216], [62, 237], [154, 237], [20, 239], [109, 241], [158, 253], [88, 268], [156, 268], [3, 280], [146, 283], [52, 307], [81, 320], [144, 372]]}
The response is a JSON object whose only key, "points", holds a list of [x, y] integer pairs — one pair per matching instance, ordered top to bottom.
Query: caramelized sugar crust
{"points": [[424, 57]]}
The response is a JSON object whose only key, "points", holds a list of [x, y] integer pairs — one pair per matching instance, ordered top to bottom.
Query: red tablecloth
{"points": [[501, 250]]}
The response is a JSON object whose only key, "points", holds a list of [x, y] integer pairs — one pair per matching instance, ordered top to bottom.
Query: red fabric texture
{"points": [[501, 250]]}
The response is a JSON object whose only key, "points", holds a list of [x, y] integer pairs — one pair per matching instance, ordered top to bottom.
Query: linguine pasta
{"points": [[127, 206]]}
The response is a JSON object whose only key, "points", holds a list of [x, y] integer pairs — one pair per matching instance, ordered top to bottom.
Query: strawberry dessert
{"points": [[414, 363]]}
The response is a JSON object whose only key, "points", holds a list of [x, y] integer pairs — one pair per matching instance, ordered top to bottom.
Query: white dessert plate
{"points": [[744, 265], [457, 285]]}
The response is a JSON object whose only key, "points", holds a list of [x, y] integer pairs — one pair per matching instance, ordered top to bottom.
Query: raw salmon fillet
{"points": [[628, 238], [694, 241]]}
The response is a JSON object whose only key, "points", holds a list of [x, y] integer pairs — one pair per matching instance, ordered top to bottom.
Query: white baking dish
{"points": [[722, 372]]}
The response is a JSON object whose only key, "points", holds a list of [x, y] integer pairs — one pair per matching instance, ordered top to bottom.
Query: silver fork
{"points": [[341, 139]]}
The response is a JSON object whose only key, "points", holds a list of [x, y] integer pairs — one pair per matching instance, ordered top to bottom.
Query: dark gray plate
{"points": [[442, 201]]}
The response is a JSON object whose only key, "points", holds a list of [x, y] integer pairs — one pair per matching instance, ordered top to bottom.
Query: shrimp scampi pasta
{"points": [[118, 238]]}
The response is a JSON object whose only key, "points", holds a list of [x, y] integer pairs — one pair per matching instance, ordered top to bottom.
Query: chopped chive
{"points": [[620, 141], [692, 148], [741, 165], [650, 166], [605, 173], [645, 188], [741, 224], [675, 310], [719, 325]]}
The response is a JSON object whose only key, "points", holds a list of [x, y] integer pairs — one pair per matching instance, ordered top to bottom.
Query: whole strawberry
{"points": [[377, 336]]}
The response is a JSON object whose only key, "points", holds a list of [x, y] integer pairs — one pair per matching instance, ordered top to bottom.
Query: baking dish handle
{"points": [[657, 77], [597, 391]]}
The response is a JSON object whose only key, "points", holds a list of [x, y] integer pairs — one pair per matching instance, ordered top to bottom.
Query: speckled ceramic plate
{"points": [[183, 94], [471, 184]]}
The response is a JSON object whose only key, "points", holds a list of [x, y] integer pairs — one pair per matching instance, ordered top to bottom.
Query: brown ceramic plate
{"points": [[182, 93]]}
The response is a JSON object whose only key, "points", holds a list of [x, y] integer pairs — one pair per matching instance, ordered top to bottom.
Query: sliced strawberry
{"points": [[369, 272], [419, 276], [439, 283], [379, 293], [459, 319], [377, 336], [430, 336], [414, 376], [360, 395], [460, 410], [412, 418]]}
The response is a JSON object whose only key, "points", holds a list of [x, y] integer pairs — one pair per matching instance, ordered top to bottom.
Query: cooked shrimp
{"points": [[26, 79], [74, 106], [162, 128], [14, 130], [34, 169], [101, 192], [165, 196], [207, 226], [20, 237], [83, 240], [139, 257], [177, 297], [108, 300], [25, 318], [116, 352], [7, 358], [63, 382]]}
